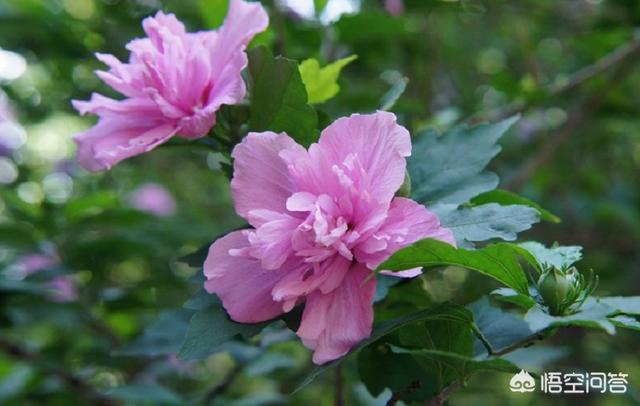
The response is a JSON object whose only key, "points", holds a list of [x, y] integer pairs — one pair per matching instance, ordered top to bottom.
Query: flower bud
{"points": [[560, 290]]}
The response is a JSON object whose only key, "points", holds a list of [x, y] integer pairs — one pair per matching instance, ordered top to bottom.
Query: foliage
{"points": [[469, 79]]}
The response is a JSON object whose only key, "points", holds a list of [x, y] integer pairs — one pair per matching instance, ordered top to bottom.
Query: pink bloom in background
{"points": [[394, 7], [174, 83], [154, 199], [323, 220], [33, 263], [62, 287]]}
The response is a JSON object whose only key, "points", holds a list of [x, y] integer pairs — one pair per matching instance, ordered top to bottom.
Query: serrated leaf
{"points": [[322, 82], [279, 100], [450, 168], [504, 197], [489, 221], [556, 256], [499, 261], [621, 304], [592, 314], [499, 327]]}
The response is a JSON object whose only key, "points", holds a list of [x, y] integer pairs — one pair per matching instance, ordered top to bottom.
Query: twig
{"points": [[602, 65], [570, 126], [74, 382], [223, 385], [445, 393], [398, 396], [442, 397]]}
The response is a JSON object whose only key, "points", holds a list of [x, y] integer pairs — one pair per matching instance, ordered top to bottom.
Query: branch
{"points": [[602, 65], [576, 118], [72, 381], [445, 393]]}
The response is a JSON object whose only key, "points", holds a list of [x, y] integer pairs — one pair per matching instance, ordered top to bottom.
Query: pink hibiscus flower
{"points": [[174, 83], [323, 220]]}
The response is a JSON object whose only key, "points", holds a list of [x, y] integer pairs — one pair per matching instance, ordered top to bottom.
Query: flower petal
{"points": [[114, 139], [378, 143], [260, 177], [406, 223], [239, 281], [334, 323]]}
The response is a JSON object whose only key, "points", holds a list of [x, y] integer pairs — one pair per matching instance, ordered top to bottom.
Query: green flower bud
{"points": [[560, 289]]}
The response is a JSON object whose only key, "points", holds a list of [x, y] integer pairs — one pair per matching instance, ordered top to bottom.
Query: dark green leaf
{"points": [[279, 98], [450, 168], [504, 198], [481, 223], [556, 256], [499, 261], [511, 296], [592, 314], [211, 327], [500, 328], [162, 337], [152, 394]]}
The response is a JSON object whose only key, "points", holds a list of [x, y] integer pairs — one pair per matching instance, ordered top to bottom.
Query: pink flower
{"points": [[394, 7], [174, 83], [154, 199], [323, 220], [63, 289]]}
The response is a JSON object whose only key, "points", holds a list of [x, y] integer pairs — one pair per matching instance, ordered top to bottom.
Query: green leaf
{"points": [[319, 5], [213, 12], [322, 83], [391, 97], [279, 98], [450, 168], [504, 197], [481, 223], [556, 256], [499, 261], [511, 296], [621, 304], [445, 311], [592, 314], [626, 322], [211, 327], [501, 329], [447, 330], [164, 336], [536, 358], [463, 366], [153, 394]]}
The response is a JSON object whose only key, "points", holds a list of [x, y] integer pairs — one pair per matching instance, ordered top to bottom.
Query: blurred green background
{"points": [[569, 67]]}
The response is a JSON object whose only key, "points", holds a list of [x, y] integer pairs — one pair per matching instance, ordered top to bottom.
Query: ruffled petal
{"points": [[244, 20], [114, 139], [373, 142], [260, 177], [406, 223], [238, 280], [334, 323]]}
